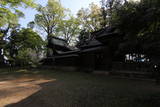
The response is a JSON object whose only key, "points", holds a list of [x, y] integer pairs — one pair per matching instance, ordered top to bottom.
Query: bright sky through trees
{"points": [[73, 5]]}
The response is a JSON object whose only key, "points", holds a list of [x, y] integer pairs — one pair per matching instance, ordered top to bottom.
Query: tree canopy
{"points": [[9, 11], [9, 16], [49, 16], [90, 18], [140, 23], [68, 29], [22, 44]]}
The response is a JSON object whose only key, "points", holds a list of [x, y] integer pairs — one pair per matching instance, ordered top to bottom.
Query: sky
{"points": [[73, 5]]}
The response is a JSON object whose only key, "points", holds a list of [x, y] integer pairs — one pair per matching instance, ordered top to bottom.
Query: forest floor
{"points": [[52, 88]]}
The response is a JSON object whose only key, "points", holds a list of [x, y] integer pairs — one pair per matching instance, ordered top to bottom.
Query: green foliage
{"points": [[108, 8], [9, 12], [9, 16], [49, 16], [90, 18], [141, 23], [31, 24], [68, 29], [26, 38], [83, 38], [23, 46], [23, 58]]}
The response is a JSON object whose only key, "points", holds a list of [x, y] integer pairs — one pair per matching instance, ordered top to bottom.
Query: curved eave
{"points": [[106, 37]]}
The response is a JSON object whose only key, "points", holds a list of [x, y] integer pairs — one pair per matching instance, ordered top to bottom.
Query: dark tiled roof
{"points": [[103, 31], [91, 43], [92, 49]]}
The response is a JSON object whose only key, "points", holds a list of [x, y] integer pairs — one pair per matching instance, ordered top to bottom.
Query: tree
{"points": [[108, 8], [8, 9], [9, 15], [49, 16], [90, 18], [140, 23], [31, 24], [68, 29], [83, 38], [23, 44]]}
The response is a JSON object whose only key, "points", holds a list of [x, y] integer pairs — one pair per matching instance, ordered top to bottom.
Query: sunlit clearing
{"points": [[19, 89]]}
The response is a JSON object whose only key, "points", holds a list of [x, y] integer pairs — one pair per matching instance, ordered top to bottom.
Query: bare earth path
{"points": [[49, 88], [14, 89]]}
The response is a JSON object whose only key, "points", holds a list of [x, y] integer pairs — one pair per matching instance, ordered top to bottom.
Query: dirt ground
{"points": [[14, 89], [74, 89]]}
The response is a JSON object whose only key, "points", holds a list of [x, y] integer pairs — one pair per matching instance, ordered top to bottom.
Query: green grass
{"points": [[78, 89]]}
